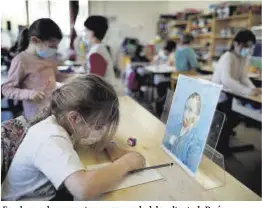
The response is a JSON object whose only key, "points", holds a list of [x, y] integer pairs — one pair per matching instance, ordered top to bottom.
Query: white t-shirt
{"points": [[101, 49], [232, 74], [43, 161]]}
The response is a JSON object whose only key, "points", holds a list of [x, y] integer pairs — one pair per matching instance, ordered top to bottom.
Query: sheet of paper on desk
{"points": [[132, 179]]}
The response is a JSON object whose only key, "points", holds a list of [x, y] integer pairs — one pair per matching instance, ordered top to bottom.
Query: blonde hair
{"points": [[92, 97]]}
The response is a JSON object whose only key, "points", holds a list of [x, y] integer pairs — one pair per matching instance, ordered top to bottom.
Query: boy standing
{"points": [[99, 60]]}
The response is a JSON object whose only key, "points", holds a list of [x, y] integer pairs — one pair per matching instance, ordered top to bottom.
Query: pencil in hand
{"points": [[152, 167]]}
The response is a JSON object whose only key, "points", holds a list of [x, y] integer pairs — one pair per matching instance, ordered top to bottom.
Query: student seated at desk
{"points": [[166, 53], [139, 55], [185, 56], [98, 61], [232, 74], [162, 82], [83, 111]]}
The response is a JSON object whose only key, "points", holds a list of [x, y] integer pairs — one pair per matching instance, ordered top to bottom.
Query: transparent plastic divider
{"points": [[211, 171]]}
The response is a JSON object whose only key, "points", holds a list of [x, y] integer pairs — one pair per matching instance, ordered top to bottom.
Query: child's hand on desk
{"points": [[256, 91], [37, 96], [114, 152], [134, 160]]}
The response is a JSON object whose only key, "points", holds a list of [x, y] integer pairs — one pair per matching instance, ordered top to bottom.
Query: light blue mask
{"points": [[86, 40], [244, 52], [47, 53]]}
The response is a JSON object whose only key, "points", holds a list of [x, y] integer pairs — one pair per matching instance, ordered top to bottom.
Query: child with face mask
{"points": [[98, 59], [231, 68], [33, 72], [231, 72], [84, 111]]}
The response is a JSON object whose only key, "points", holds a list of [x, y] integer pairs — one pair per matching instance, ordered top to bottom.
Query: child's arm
{"points": [[171, 59], [192, 59], [98, 64], [246, 81], [229, 82], [11, 88], [114, 152], [59, 162], [85, 185]]}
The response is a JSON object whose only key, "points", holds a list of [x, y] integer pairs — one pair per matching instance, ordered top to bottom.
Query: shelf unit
{"points": [[234, 17], [181, 22], [234, 22]]}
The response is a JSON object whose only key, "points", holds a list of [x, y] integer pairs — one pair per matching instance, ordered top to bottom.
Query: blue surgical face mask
{"points": [[85, 40], [244, 52], [46, 53]]}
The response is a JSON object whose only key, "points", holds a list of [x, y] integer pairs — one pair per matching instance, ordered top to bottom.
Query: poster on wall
{"points": [[190, 117]]}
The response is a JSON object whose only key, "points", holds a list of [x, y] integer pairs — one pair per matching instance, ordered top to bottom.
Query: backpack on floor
{"points": [[132, 81]]}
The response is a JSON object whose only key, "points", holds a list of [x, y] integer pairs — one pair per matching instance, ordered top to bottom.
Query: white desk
{"points": [[144, 64], [160, 69], [257, 99]]}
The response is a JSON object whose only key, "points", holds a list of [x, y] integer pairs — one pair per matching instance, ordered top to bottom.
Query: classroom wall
{"points": [[175, 6], [129, 18], [133, 18], [136, 18], [139, 18]]}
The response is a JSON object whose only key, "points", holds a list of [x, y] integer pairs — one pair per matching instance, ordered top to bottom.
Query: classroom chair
{"points": [[174, 76], [10, 107], [12, 134]]}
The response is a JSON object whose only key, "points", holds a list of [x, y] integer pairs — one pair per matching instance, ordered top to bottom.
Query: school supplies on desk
{"points": [[190, 117], [131, 142]]}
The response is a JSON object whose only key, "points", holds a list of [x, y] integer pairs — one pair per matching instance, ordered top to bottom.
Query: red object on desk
{"points": [[98, 64]]}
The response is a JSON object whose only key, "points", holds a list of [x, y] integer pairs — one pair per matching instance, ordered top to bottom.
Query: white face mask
{"points": [[86, 37], [85, 40], [93, 137]]}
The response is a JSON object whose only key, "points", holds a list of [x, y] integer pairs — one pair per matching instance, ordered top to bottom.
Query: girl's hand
{"points": [[256, 91], [37, 96], [114, 152], [133, 161]]}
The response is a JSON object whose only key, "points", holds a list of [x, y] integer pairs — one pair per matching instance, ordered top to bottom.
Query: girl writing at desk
{"points": [[232, 74], [85, 111]]}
